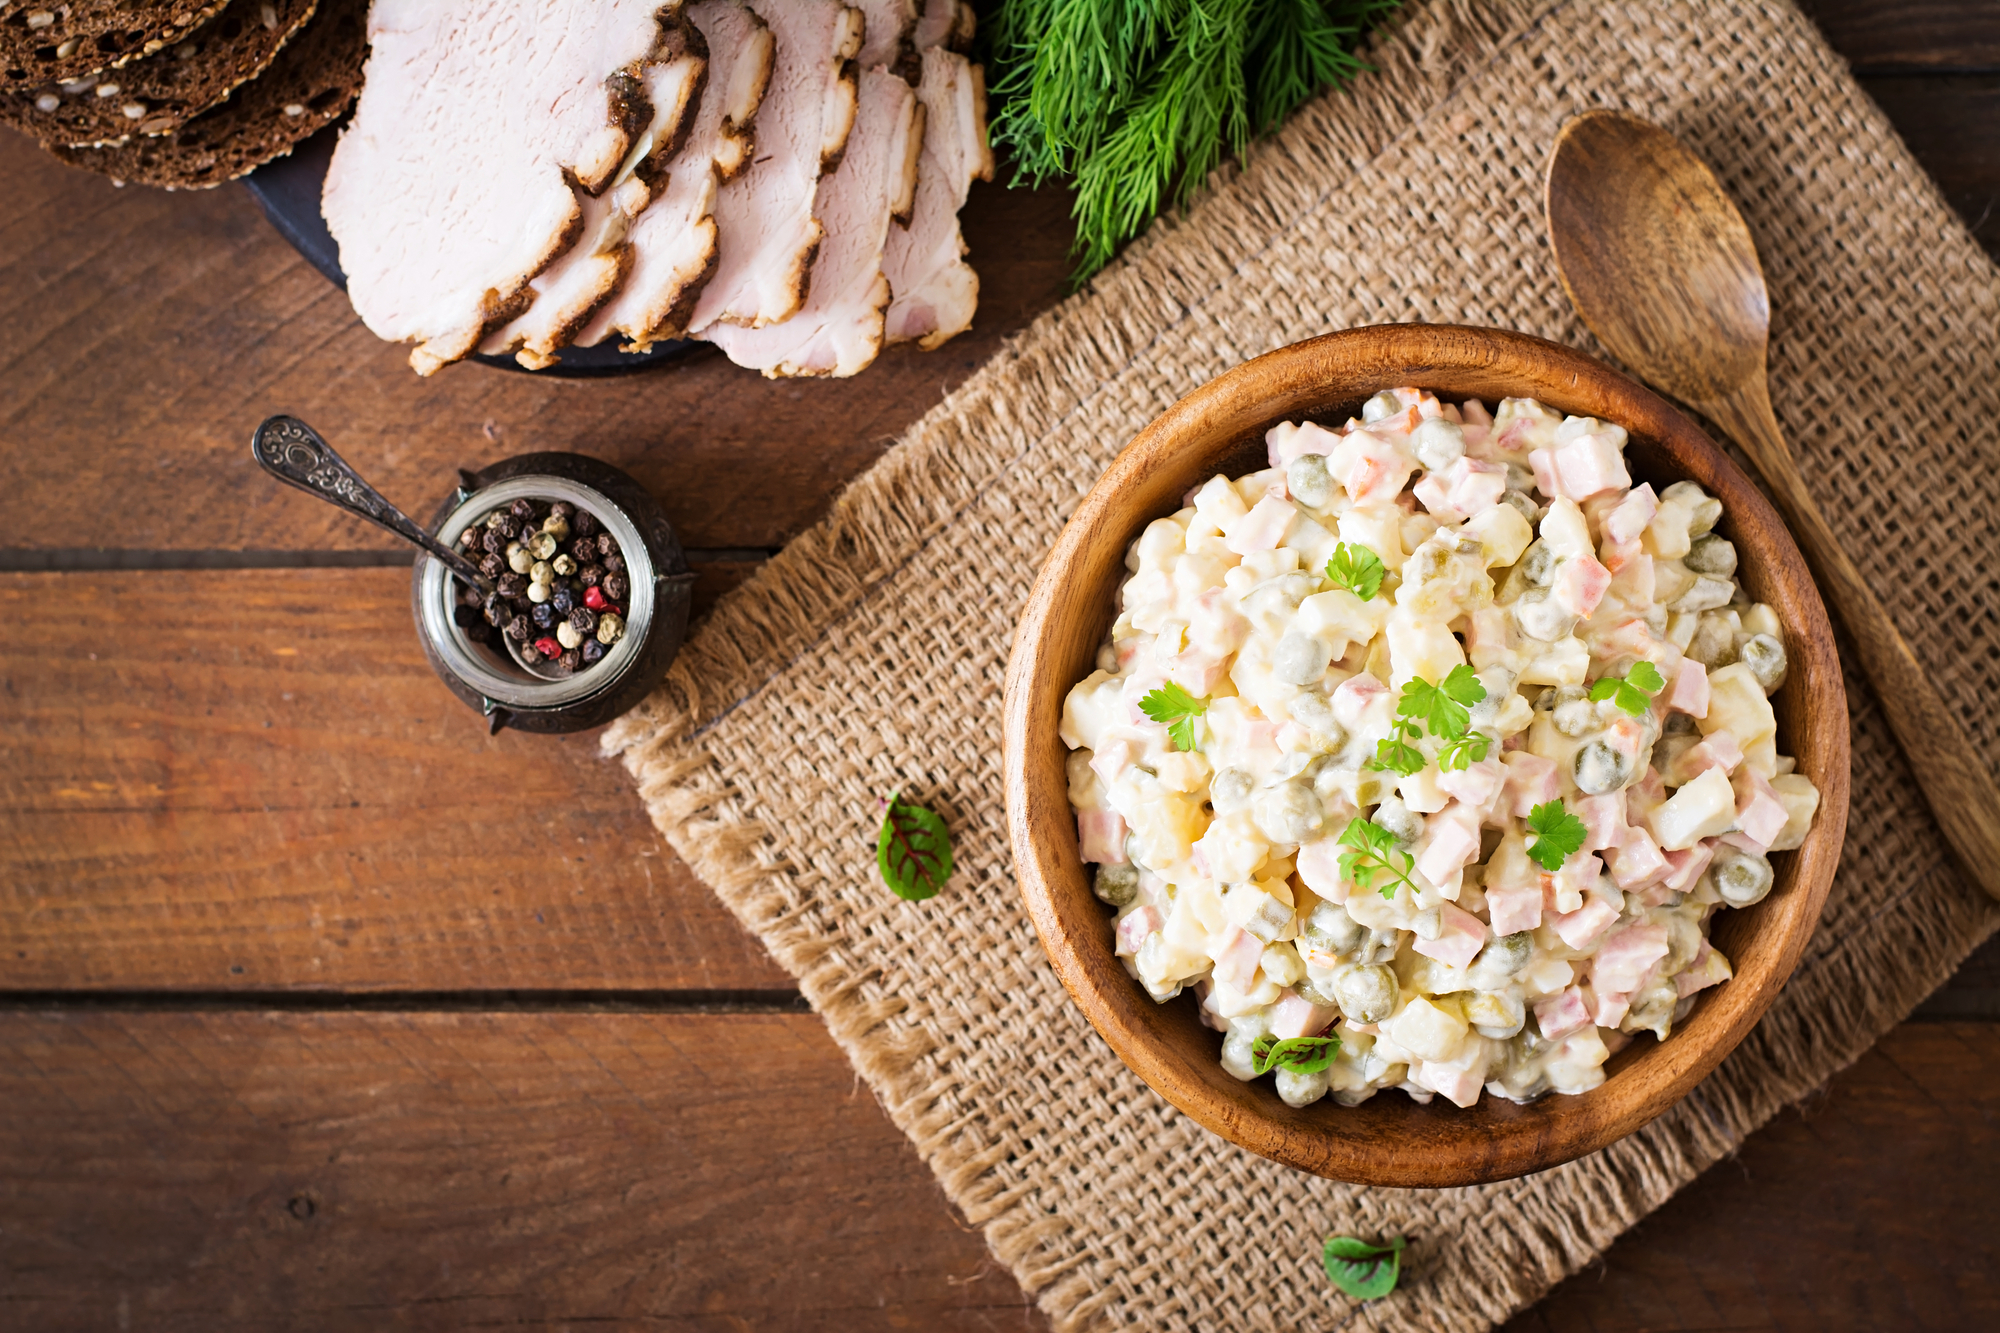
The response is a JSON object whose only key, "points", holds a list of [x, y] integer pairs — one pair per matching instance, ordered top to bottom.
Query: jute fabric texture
{"points": [[868, 656]]}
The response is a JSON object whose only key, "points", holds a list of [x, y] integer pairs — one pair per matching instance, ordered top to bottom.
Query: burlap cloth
{"points": [[868, 655]]}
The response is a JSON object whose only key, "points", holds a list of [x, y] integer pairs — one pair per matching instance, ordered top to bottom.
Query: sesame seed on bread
{"points": [[47, 41], [309, 86], [163, 91]]}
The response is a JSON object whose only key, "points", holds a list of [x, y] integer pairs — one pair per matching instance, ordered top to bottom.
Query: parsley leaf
{"points": [[1356, 569], [1634, 693], [1446, 708], [1178, 709], [1396, 753], [1462, 753], [1558, 835], [913, 850], [1373, 850], [1306, 1055], [1365, 1272]]}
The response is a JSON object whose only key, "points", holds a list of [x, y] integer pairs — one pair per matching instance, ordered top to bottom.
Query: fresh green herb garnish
{"points": [[1137, 99], [1356, 569], [1634, 693], [1445, 708], [1178, 709], [1558, 835], [913, 850], [1373, 850], [1305, 1055], [1365, 1272]]}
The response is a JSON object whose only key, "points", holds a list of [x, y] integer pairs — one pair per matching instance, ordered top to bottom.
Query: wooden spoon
{"points": [[1663, 269]]}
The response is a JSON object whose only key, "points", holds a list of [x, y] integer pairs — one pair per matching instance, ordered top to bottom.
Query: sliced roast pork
{"points": [[944, 23], [885, 32], [480, 127], [766, 232], [672, 244], [569, 291], [934, 291], [838, 330]]}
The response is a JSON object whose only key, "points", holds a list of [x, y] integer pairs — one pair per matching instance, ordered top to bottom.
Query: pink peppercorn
{"points": [[594, 598], [548, 648]]}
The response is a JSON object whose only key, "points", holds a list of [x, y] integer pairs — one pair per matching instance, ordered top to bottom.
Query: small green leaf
{"points": [[1356, 569], [1646, 676], [1463, 685], [1634, 693], [1174, 706], [1462, 753], [1397, 755], [1558, 835], [1373, 849], [913, 850], [1306, 1055], [1365, 1272]]}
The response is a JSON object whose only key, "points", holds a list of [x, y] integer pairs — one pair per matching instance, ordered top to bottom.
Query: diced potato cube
{"points": [[1566, 532], [1502, 534], [1421, 647], [1737, 702], [1094, 704], [1801, 801], [1701, 809], [1257, 910], [1430, 1031]]}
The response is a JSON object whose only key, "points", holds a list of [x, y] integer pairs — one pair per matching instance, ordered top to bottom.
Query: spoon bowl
{"points": [[1663, 268]]}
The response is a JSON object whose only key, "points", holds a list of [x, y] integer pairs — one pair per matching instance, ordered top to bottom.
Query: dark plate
{"points": [[289, 188]]}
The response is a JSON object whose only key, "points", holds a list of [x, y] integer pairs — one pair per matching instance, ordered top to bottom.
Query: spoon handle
{"points": [[294, 453], [1955, 780]]}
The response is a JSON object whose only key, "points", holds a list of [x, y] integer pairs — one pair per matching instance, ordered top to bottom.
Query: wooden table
{"points": [[321, 1009]]}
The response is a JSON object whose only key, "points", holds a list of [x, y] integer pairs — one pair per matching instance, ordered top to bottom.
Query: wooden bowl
{"points": [[1219, 428]]}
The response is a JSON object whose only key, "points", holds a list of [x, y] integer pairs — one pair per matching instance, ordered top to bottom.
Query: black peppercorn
{"points": [[522, 508], [561, 509], [584, 524], [470, 537], [493, 541], [605, 546], [584, 549], [613, 563], [492, 566], [590, 575], [512, 585], [615, 586], [563, 600], [543, 615], [465, 617], [583, 620], [517, 629], [593, 652], [569, 661]]}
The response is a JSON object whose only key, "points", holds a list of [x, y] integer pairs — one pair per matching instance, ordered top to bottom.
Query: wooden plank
{"points": [[1921, 34], [1952, 125], [144, 334], [250, 779], [1972, 992], [222, 1171], [1874, 1205]]}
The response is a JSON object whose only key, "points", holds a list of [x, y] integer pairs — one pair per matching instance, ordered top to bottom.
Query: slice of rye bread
{"points": [[55, 41], [309, 86], [161, 92]]}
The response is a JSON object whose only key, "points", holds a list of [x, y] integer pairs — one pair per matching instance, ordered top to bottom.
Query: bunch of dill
{"points": [[1132, 99]]}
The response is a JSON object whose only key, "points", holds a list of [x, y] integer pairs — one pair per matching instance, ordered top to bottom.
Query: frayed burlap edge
{"points": [[920, 486]]}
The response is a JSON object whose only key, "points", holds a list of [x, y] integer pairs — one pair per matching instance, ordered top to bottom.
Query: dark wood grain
{"points": [[1920, 35], [1952, 126], [144, 334], [250, 779], [240, 1171], [1871, 1206]]}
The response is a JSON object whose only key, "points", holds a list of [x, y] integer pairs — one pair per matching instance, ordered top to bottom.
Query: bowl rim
{"points": [[1405, 1144]]}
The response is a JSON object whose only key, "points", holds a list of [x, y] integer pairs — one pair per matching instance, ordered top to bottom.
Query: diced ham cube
{"points": [[1288, 441], [1543, 461], [1590, 465], [1378, 472], [1463, 489], [1629, 517], [1262, 528], [1616, 555], [1580, 585], [1215, 626], [1489, 636], [1197, 672], [1690, 692], [1354, 697], [1718, 749], [1111, 759], [1531, 781], [1475, 785], [1760, 815], [1603, 820], [1101, 835], [1450, 843], [1637, 862], [1318, 865], [1685, 867], [1514, 909], [1135, 926], [1577, 929], [1459, 940], [1237, 955], [1627, 955], [1709, 968], [1608, 1008], [1560, 1015], [1292, 1017], [1461, 1087]]}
